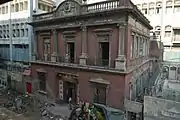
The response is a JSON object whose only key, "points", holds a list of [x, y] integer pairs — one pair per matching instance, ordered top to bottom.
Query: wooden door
{"points": [[28, 87]]}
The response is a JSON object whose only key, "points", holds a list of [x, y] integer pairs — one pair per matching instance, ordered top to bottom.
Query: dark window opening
{"points": [[158, 10], [47, 46], [71, 51], [104, 52], [173, 68], [42, 81], [70, 92], [100, 95], [133, 116]]}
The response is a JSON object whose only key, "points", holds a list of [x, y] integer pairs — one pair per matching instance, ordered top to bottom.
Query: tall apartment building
{"points": [[164, 17], [15, 34]]}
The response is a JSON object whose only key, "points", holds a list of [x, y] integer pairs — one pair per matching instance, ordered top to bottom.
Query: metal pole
{"points": [[162, 24], [10, 32], [30, 35]]}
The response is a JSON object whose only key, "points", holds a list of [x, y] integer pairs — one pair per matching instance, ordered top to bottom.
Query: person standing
{"points": [[70, 103]]}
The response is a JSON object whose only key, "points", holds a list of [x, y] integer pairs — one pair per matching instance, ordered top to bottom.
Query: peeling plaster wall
{"points": [[171, 90], [161, 109]]}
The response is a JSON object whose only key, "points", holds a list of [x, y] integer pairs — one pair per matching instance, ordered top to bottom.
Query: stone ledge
{"points": [[89, 68]]}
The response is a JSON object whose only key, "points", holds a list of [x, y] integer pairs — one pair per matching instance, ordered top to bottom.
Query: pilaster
{"points": [[55, 46], [34, 47], [46, 57], [83, 57], [120, 62]]}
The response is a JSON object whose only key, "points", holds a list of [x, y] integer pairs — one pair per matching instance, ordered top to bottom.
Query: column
{"points": [[55, 46], [34, 47], [83, 57], [121, 60]]}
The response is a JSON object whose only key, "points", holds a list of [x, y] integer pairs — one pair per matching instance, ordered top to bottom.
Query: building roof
{"points": [[4, 1], [119, 5]]}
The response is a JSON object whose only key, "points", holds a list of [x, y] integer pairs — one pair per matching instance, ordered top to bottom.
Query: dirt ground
{"points": [[9, 115]]}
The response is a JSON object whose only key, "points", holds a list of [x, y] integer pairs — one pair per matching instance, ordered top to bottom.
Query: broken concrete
{"points": [[161, 109]]}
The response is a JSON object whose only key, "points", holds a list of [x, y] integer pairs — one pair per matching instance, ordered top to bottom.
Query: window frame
{"points": [[42, 81]]}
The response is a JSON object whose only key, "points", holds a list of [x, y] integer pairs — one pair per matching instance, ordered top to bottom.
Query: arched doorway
{"points": [[67, 87]]}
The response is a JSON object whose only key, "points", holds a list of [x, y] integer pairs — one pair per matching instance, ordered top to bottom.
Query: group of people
{"points": [[87, 111], [90, 112]]}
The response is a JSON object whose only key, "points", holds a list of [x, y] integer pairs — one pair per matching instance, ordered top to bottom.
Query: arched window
{"points": [[176, 2], [169, 3], [144, 5], [151, 5], [169, 6], [176, 6], [158, 7], [144, 8], [151, 8], [157, 30], [167, 31], [173, 68], [178, 71]]}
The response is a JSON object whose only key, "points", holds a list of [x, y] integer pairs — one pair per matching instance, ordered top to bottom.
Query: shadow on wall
{"points": [[154, 50]]}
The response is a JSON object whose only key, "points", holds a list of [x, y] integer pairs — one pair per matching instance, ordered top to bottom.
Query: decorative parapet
{"points": [[73, 8], [43, 16]]}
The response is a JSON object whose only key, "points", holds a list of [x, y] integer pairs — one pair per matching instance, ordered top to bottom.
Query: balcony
{"points": [[43, 58], [91, 62], [105, 63]]}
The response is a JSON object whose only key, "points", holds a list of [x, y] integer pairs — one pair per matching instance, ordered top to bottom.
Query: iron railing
{"points": [[63, 59], [70, 60], [101, 62]]}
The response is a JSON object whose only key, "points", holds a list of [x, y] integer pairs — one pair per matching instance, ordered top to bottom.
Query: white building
{"points": [[18, 15], [164, 16]]}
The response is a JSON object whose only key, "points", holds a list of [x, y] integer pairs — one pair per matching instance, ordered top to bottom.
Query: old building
{"points": [[87, 50]]}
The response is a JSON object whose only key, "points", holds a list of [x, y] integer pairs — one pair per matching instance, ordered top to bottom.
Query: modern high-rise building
{"points": [[164, 17], [15, 34]]}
